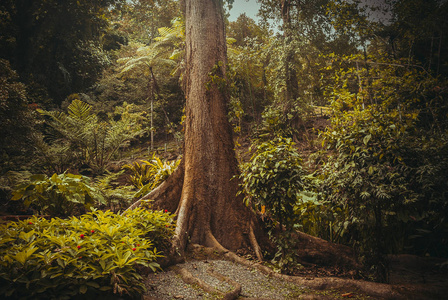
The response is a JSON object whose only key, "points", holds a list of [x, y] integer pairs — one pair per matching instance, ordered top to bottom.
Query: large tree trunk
{"points": [[201, 191], [209, 211]]}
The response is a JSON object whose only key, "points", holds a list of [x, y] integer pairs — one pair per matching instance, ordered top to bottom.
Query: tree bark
{"points": [[291, 80], [209, 212]]}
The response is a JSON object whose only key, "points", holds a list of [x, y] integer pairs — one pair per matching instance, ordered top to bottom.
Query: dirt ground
{"points": [[411, 278]]}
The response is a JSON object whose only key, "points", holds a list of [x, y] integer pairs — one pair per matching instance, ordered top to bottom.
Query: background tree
{"points": [[141, 19], [245, 28], [420, 33], [55, 45], [17, 120]]}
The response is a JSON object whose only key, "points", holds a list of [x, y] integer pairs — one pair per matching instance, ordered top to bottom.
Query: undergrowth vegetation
{"points": [[80, 139], [148, 174], [272, 182], [60, 195], [96, 254]]}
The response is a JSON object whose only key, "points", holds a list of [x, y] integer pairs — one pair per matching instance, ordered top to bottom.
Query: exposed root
{"points": [[168, 193], [213, 243], [254, 243], [321, 252], [188, 278], [237, 287], [369, 288]]}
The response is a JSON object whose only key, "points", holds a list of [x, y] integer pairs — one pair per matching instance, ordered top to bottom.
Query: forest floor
{"points": [[411, 277]]}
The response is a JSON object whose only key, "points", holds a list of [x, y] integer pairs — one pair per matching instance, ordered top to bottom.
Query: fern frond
{"points": [[166, 31], [230, 41], [145, 51], [177, 54], [124, 60], [140, 60], [165, 61], [80, 110], [54, 115]]}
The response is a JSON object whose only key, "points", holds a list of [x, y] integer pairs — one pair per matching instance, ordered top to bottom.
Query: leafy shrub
{"points": [[278, 120], [385, 171], [142, 173], [149, 174], [273, 178], [388, 180], [273, 182], [58, 195], [315, 215], [93, 255]]}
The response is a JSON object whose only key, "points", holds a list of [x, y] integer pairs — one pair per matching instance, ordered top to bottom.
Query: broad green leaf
{"points": [[367, 139]]}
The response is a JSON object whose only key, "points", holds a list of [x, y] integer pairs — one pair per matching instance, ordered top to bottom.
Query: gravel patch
{"points": [[168, 285]]}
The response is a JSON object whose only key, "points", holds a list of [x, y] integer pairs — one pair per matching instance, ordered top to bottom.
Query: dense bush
{"points": [[387, 165], [273, 179], [272, 182], [59, 195], [78, 258]]}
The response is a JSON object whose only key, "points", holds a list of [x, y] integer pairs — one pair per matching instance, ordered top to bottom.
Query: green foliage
{"points": [[350, 18], [140, 19], [245, 28], [418, 30], [172, 38], [55, 45], [167, 50], [145, 58], [148, 70], [246, 77], [390, 84], [235, 114], [17, 120], [282, 121], [83, 135], [388, 143], [368, 169], [142, 173], [147, 175], [273, 178], [273, 182], [59, 195], [118, 197], [315, 215], [95, 255]]}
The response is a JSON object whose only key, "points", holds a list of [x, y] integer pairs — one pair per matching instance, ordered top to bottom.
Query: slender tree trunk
{"points": [[292, 85]]}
